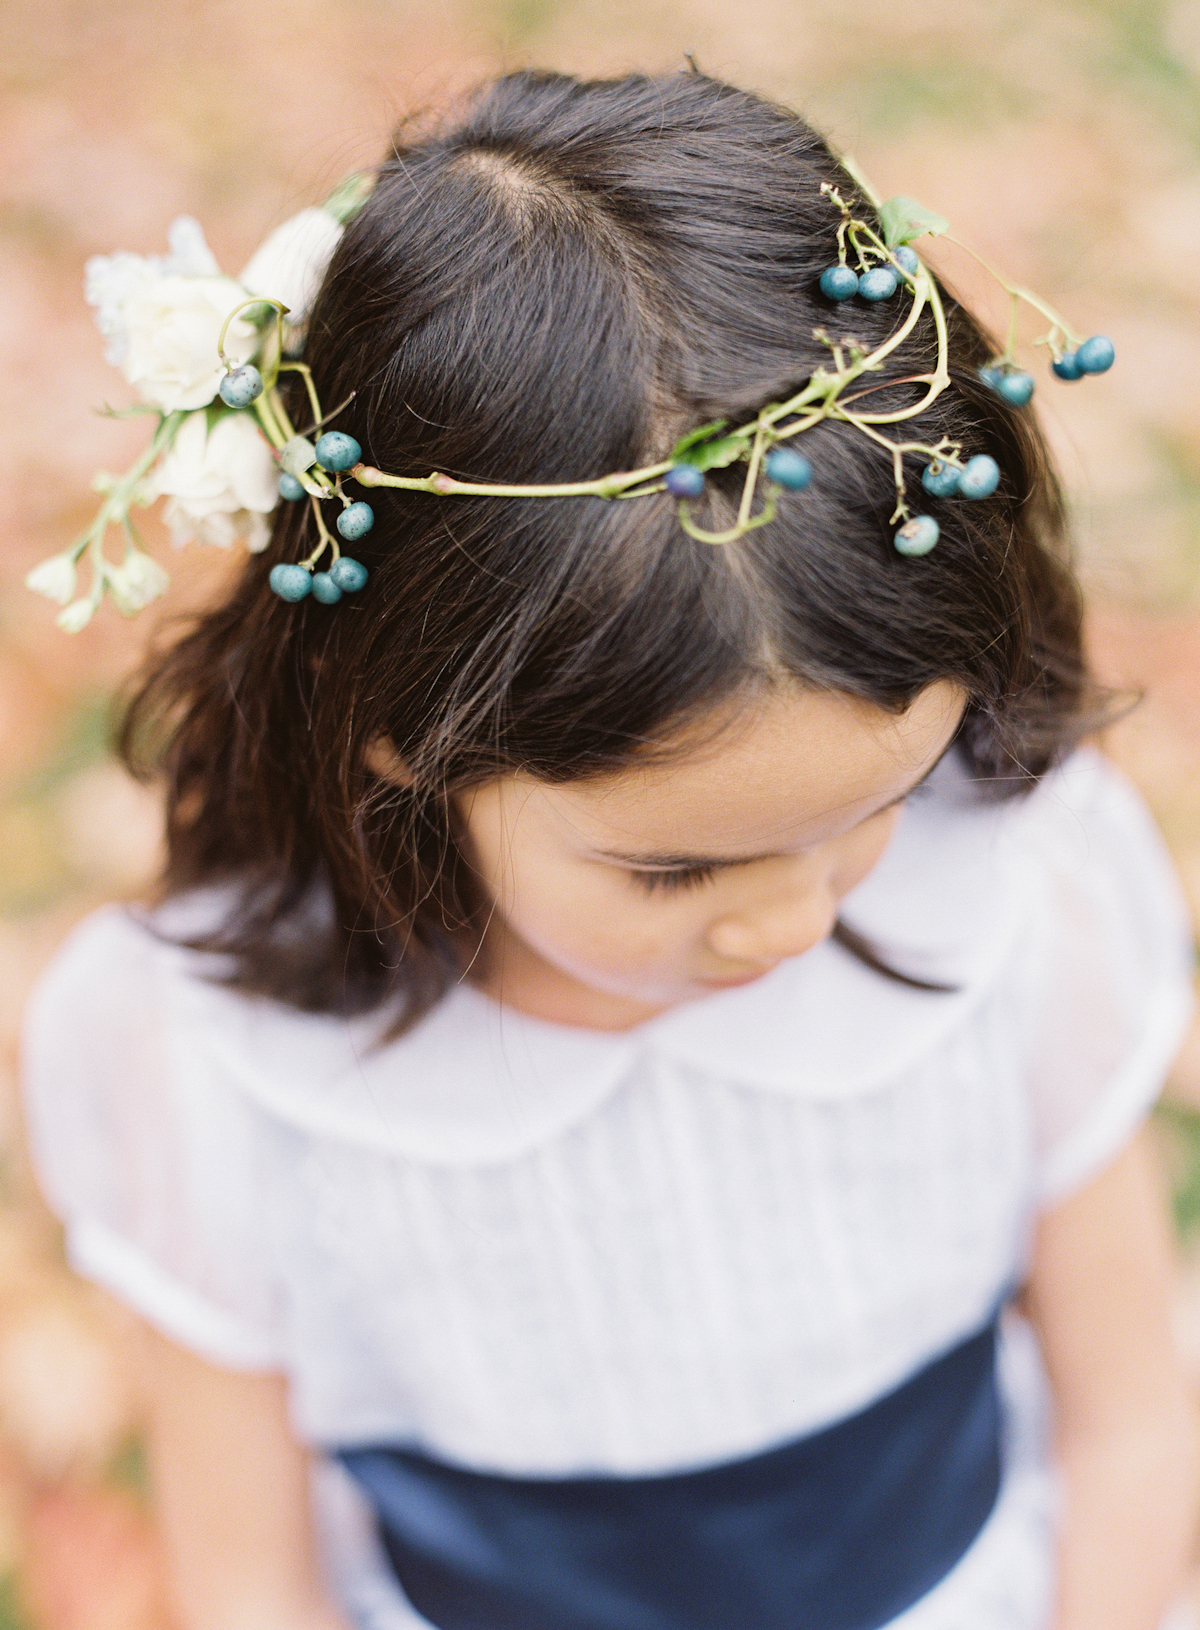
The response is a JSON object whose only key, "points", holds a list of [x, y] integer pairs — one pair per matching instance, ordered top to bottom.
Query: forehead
{"points": [[786, 768]]}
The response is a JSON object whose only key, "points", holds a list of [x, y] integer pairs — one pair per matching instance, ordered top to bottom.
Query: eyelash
{"points": [[686, 877], [691, 877]]}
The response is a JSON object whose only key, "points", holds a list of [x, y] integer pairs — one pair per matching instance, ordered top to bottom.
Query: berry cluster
{"points": [[840, 282], [1014, 386], [335, 452], [332, 454], [345, 576]]}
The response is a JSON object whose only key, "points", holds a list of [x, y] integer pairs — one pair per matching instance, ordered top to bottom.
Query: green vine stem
{"points": [[1018, 293], [780, 421], [121, 493], [326, 539]]}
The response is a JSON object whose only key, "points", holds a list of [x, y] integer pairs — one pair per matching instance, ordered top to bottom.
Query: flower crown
{"points": [[206, 354]]}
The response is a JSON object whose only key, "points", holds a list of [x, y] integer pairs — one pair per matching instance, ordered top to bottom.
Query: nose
{"points": [[778, 929]]}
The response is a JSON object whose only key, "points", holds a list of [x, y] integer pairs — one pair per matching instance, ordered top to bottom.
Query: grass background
{"points": [[1062, 141]]}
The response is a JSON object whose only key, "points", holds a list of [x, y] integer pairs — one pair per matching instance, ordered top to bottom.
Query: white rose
{"points": [[291, 264], [162, 317], [221, 483], [55, 578], [135, 582]]}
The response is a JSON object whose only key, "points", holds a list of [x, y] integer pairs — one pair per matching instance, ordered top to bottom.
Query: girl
{"points": [[630, 1021]]}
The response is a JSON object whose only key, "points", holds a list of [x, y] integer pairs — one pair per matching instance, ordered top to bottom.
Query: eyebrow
{"points": [[680, 862]]}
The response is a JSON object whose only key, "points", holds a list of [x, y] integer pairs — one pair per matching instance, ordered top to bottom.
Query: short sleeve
{"points": [[1106, 970], [152, 1168]]}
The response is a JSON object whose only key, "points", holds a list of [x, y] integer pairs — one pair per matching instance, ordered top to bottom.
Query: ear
{"points": [[383, 760]]}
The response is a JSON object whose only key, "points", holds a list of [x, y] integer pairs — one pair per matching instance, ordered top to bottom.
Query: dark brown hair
{"points": [[553, 284]]}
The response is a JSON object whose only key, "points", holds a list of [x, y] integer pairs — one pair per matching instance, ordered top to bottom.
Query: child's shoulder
{"points": [[966, 874]]}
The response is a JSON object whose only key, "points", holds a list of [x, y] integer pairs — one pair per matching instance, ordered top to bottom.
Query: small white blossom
{"points": [[291, 264], [162, 317], [221, 484], [55, 578], [135, 582], [76, 616]]}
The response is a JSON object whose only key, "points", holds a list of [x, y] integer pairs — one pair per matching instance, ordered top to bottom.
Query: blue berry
{"points": [[907, 258], [839, 283], [880, 283], [1097, 355], [1067, 366], [1010, 384], [241, 387], [1015, 387], [337, 451], [788, 467], [980, 477], [940, 480], [684, 481], [289, 487], [355, 521], [918, 536], [349, 575], [290, 582], [325, 589]]}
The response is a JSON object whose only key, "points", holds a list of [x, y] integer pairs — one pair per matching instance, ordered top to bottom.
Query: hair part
{"points": [[553, 284]]}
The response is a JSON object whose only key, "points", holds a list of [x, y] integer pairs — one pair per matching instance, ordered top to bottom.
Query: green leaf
{"points": [[349, 196], [903, 219], [685, 443], [701, 454], [298, 455], [715, 455]]}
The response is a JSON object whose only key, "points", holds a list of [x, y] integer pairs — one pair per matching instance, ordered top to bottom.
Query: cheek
{"points": [[863, 849], [592, 916]]}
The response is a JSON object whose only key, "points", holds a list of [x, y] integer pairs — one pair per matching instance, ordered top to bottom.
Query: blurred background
{"points": [[1062, 141]]}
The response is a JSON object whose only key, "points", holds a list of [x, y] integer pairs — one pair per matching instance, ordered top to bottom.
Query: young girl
{"points": [[629, 1020]]}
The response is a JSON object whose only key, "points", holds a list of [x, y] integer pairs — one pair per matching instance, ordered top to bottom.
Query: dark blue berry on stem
{"points": [[907, 258], [839, 283], [880, 283], [1097, 355], [1067, 366], [991, 377], [241, 387], [1014, 387], [337, 451], [788, 467], [980, 477], [940, 480], [684, 481], [290, 488], [355, 521], [918, 536], [349, 575], [290, 582], [325, 589]]}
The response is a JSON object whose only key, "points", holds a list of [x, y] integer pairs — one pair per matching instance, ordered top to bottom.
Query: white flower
{"points": [[291, 264], [162, 317], [221, 484], [55, 578], [135, 582], [76, 616]]}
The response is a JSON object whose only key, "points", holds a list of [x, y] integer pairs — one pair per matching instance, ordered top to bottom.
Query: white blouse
{"points": [[539, 1250]]}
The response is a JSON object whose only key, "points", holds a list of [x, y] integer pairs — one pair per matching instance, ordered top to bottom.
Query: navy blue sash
{"points": [[839, 1530]]}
